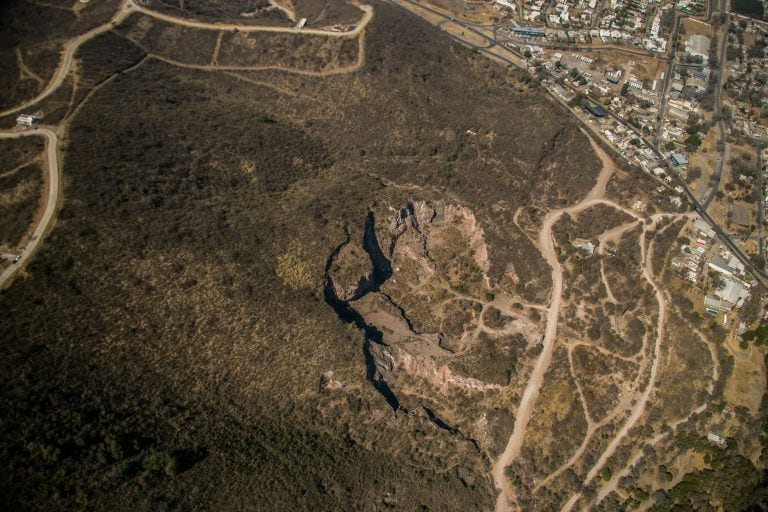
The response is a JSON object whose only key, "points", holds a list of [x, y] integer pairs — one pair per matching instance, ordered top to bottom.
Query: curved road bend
{"points": [[129, 7], [367, 10], [66, 61], [51, 146], [54, 172], [528, 400]]}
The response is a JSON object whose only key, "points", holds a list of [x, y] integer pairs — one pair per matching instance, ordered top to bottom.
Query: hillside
{"points": [[306, 271], [171, 339]]}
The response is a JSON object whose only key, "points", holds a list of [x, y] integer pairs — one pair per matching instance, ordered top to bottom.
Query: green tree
{"points": [[625, 89], [693, 141], [163, 462]]}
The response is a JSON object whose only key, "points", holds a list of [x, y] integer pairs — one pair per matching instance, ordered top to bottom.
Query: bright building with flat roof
{"points": [[27, 120], [678, 159]]}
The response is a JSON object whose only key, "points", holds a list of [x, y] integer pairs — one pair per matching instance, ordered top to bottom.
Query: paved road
{"points": [[580, 48], [667, 81], [51, 146], [718, 174], [760, 198]]}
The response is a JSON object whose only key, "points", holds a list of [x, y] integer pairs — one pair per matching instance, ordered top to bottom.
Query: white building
{"points": [[27, 120], [705, 229], [587, 247], [719, 264], [716, 439]]}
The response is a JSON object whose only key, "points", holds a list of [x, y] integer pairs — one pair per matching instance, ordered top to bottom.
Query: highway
{"points": [[667, 81], [721, 142], [54, 173], [760, 200], [516, 440]]}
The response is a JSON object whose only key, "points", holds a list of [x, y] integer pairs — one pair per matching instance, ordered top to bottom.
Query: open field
{"points": [[691, 26], [746, 385]]}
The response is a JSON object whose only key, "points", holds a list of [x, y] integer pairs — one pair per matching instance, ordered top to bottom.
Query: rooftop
{"points": [[597, 110], [678, 159]]}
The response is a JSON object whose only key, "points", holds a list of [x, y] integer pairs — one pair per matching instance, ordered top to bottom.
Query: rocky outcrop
{"points": [[425, 259], [351, 272]]}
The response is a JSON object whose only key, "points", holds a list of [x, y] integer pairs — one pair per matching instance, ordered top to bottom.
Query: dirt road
{"points": [[128, 7], [367, 16], [66, 60], [356, 66], [52, 160], [639, 406], [524, 410]]}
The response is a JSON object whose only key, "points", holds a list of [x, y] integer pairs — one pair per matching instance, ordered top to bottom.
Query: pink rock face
{"points": [[434, 344]]}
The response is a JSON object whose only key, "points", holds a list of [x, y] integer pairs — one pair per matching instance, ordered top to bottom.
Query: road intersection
{"points": [[127, 7]]}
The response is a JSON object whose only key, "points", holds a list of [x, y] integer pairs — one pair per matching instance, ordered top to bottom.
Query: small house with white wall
{"points": [[27, 120]]}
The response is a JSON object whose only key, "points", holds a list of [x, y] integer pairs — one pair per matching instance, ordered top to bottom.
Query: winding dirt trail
{"points": [[129, 6], [126, 8], [291, 14], [367, 16], [66, 60], [356, 66], [24, 71], [52, 161], [608, 292], [625, 403], [639, 406], [525, 408], [612, 484]]}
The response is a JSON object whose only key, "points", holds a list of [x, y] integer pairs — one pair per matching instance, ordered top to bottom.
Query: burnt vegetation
{"points": [[31, 37], [20, 192]]}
